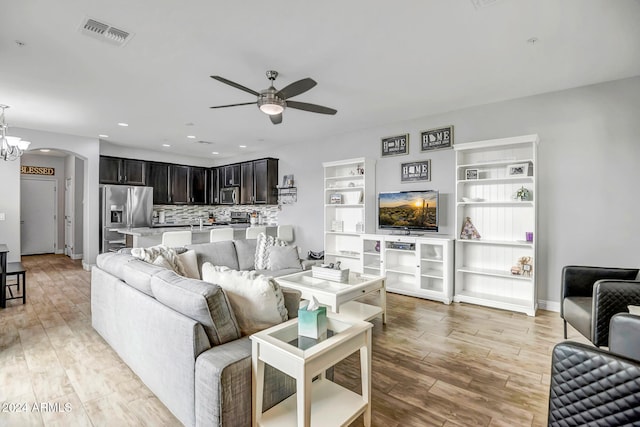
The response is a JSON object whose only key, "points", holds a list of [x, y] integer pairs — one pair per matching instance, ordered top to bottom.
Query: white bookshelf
{"points": [[349, 209], [416, 266], [483, 267]]}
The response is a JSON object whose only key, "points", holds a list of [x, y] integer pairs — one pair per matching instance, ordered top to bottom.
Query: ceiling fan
{"points": [[272, 101]]}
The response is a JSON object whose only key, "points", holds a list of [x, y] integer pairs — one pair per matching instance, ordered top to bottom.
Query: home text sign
{"points": [[437, 138], [395, 145], [37, 170], [416, 171]]}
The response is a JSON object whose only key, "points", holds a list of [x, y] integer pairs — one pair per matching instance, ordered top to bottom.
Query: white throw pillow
{"points": [[263, 244], [189, 261], [257, 300], [634, 309]]}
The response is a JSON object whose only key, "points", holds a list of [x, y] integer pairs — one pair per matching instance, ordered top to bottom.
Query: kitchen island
{"points": [[143, 237]]}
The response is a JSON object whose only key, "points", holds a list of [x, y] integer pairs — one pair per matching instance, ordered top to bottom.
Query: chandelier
{"points": [[12, 147]]}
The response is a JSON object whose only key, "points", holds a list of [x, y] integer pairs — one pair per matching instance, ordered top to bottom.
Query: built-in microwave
{"points": [[229, 196]]}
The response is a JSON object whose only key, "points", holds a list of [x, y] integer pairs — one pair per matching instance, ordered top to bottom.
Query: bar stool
{"points": [[252, 232], [285, 233], [221, 234], [174, 239], [16, 269]]}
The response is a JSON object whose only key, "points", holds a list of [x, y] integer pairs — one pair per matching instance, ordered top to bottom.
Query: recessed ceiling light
{"points": [[123, 124], [103, 136], [191, 137], [166, 145], [243, 146], [45, 150], [214, 152]]}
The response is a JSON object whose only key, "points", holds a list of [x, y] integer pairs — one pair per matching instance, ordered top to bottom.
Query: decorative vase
{"points": [[377, 248]]}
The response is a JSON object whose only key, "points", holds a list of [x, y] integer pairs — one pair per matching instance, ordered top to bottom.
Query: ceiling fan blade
{"points": [[236, 85], [296, 88], [235, 105], [310, 107], [276, 119]]}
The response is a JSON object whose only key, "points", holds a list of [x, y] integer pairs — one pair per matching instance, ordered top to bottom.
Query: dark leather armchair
{"points": [[592, 295], [590, 386]]}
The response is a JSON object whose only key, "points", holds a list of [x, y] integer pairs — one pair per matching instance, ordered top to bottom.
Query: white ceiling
{"points": [[376, 62]]}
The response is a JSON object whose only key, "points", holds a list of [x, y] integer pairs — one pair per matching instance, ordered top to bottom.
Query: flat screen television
{"points": [[408, 210]]}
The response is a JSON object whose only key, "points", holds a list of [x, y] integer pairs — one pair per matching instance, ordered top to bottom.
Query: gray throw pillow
{"points": [[281, 257], [204, 302]]}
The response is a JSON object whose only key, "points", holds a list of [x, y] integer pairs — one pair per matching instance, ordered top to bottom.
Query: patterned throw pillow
{"points": [[263, 244]]}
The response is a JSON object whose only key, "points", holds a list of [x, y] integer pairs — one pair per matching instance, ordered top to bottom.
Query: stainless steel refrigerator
{"points": [[123, 206]]}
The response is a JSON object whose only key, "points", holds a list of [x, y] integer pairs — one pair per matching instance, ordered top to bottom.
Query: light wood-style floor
{"points": [[433, 364]]}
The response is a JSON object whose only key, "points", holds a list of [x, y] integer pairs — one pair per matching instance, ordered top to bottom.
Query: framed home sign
{"points": [[433, 139], [395, 145], [416, 171]]}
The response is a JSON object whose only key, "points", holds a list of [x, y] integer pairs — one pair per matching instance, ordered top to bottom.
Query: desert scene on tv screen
{"points": [[408, 210]]}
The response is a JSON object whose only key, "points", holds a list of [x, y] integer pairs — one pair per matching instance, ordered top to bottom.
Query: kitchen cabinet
{"points": [[114, 170], [231, 174], [159, 179], [213, 179], [258, 181], [179, 185], [198, 186]]}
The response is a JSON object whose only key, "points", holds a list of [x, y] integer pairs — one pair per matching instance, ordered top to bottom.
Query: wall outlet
{"points": [[2, 216]]}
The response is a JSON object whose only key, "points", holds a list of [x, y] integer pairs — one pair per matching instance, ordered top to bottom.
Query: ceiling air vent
{"points": [[104, 32], [205, 142]]}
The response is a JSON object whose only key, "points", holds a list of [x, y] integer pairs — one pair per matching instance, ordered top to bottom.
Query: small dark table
{"points": [[3, 275]]}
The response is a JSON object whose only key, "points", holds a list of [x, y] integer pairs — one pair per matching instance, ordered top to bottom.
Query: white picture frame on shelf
{"points": [[518, 169], [472, 174], [335, 199]]}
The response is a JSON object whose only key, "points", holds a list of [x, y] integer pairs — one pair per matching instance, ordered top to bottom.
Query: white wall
{"points": [[87, 149], [588, 155], [169, 156], [10, 206]]}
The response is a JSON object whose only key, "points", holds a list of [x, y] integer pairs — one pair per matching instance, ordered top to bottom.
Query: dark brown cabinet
{"points": [[114, 170], [231, 174], [213, 179], [259, 179], [159, 180], [179, 185], [198, 186]]}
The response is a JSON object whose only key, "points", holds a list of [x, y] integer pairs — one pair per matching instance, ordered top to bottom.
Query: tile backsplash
{"points": [[190, 214]]}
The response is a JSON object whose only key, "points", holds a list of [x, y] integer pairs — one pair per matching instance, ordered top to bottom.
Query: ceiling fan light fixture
{"points": [[269, 103], [271, 109]]}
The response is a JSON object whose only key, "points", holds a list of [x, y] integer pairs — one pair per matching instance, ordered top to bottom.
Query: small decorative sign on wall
{"points": [[437, 138], [395, 145], [37, 170], [416, 171]]}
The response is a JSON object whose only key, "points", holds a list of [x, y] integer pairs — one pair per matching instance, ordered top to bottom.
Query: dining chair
{"points": [[252, 232], [221, 234], [176, 238]]}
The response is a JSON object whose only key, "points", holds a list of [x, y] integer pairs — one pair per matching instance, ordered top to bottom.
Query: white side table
{"points": [[321, 402]]}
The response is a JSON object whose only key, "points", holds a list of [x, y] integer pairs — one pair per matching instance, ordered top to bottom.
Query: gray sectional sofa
{"points": [[180, 335]]}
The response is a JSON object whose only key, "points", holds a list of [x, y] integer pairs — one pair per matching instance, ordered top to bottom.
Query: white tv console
{"points": [[416, 266]]}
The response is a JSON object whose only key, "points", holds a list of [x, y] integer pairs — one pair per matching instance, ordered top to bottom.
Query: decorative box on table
{"points": [[330, 274]]}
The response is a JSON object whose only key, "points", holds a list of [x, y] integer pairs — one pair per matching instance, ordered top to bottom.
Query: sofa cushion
{"points": [[246, 251], [216, 253], [281, 257], [113, 263], [138, 275], [257, 300], [204, 302]]}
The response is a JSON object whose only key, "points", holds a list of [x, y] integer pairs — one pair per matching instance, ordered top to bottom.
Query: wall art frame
{"points": [[438, 138], [395, 145], [415, 171]]}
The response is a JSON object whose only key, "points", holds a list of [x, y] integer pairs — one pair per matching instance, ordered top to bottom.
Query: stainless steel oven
{"points": [[230, 196]]}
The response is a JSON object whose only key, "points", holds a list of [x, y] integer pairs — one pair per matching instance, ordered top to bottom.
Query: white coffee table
{"points": [[340, 297], [315, 403]]}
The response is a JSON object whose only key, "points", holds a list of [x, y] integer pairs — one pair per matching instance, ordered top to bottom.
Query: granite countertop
{"points": [[150, 231]]}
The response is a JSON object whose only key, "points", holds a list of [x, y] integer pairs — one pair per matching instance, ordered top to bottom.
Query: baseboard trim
{"points": [[59, 252], [76, 256], [86, 266], [549, 305]]}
